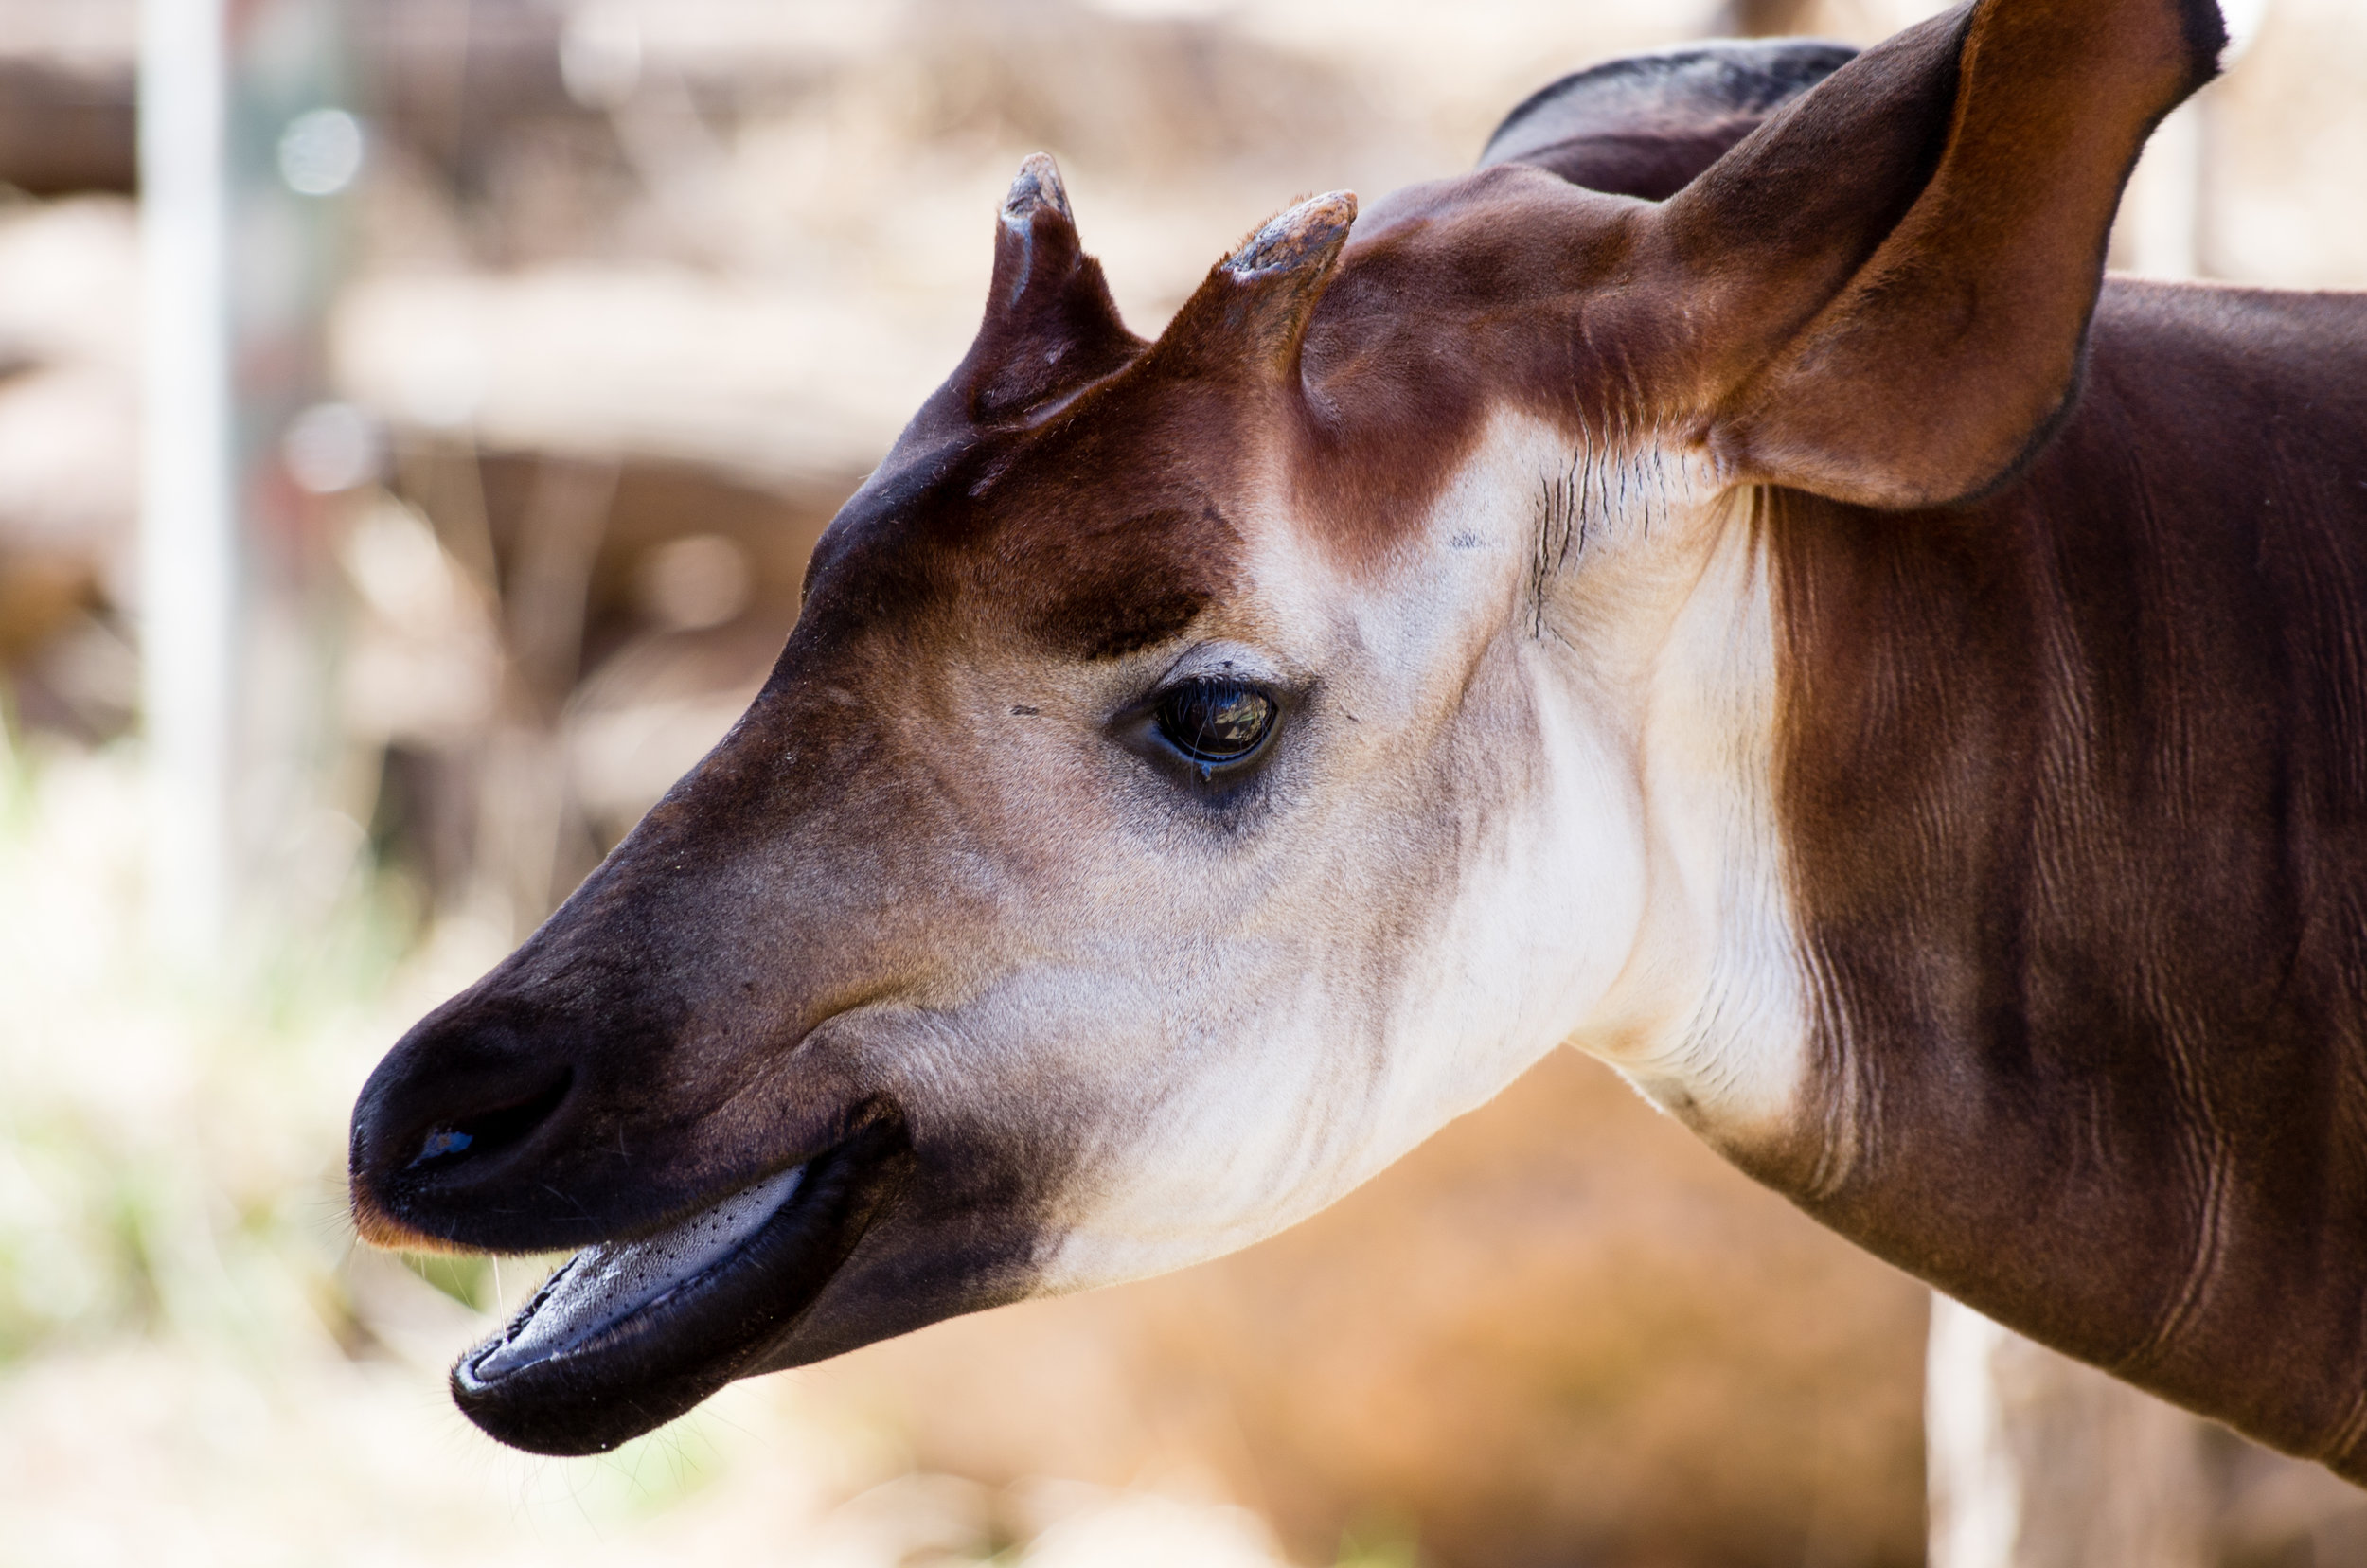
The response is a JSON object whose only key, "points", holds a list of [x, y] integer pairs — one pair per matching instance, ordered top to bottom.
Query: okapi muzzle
{"points": [[1727, 585]]}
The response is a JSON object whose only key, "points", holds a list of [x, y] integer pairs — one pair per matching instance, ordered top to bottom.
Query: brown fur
{"points": [[2072, 778], [2076, 782]]}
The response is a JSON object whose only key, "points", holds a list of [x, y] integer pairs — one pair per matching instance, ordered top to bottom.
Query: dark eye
{"points": [[1215, 720]]}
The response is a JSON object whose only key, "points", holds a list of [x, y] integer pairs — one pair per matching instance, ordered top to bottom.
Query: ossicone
{"points": [[1035, 193], [1301, 242], [1251, 312], [1050, 326]]}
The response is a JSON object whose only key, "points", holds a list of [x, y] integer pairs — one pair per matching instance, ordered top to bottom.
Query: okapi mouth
{"points": [[627, 1335]]}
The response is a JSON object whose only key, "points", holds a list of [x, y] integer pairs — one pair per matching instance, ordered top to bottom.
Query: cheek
{"points": [[1532, 920], [1543, 927], [1229, 1028], [1285, 1056], [1207, 1086], [1266, 1128]]}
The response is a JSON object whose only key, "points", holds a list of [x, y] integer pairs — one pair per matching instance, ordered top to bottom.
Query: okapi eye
{"points": [[1215, 720]]}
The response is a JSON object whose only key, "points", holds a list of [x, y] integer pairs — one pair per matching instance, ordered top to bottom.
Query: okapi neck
{"points": [[2074, 784]]}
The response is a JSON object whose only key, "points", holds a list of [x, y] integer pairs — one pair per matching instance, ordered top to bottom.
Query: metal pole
{"points": [[188, 532]]}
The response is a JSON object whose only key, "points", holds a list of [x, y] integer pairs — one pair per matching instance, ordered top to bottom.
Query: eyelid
{"points": [[1220, 662]]}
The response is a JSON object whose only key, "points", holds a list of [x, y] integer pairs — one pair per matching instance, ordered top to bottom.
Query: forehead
{"points": [[1116, 520], [1104, 529]]}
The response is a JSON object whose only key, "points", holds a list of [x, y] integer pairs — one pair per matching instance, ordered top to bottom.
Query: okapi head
{"points": [[1205, 767]]}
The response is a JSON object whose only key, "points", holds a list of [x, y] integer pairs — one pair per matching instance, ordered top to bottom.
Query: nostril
{"points": [[489, 1131]]}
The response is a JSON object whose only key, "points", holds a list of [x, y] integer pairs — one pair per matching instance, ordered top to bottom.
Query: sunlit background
{"points": [[502, 360]]}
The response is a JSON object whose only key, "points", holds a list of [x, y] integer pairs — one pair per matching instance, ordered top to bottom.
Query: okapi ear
{"points": [[1646, 125], [1897, 270], [1252, 311], [1051, 327]]}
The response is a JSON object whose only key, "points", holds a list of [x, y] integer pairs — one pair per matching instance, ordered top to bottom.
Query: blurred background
{"points": [[502, 359]]}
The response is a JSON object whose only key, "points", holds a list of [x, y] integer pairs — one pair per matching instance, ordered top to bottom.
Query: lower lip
{"points": [[601, 1287], [680, 1327]]}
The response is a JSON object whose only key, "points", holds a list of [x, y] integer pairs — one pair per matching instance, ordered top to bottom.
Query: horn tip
{"points": [[1037, 185], [1310, 228]]}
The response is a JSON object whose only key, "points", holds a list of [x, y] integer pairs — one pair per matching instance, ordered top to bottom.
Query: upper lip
{"points": [[578, 1171], [587, 1391]]}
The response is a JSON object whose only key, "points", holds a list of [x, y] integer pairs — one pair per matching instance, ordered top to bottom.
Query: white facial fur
{"points": [[1542, 814]]}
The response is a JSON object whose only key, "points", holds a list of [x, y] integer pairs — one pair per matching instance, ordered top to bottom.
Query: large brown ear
{"points": [[1893, 275], [1249, 317], [1050, 326]]}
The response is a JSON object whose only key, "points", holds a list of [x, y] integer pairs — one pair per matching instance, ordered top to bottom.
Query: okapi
{"points": [[1728, 584]]}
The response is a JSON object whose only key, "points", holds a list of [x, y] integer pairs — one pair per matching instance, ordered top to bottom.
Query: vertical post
{"points": [[188, 533], [2036, 1461], [1973, 1487]]}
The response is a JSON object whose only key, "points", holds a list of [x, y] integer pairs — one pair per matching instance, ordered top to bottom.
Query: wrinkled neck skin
{"points": [[1653, 639], [1582, 853], [1706, 1016]]}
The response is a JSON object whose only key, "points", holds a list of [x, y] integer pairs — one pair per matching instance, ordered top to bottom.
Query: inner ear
{"points": [[1893, 275]]}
